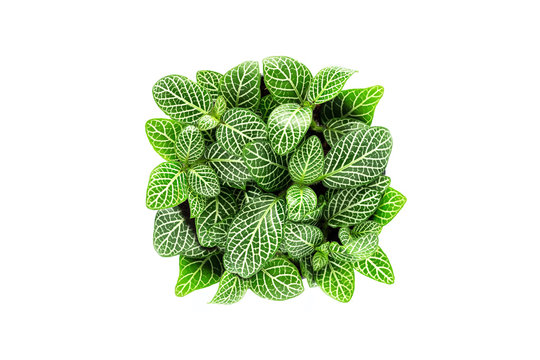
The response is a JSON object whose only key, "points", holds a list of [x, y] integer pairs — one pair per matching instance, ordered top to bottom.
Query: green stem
{"points": [[315, 127]]}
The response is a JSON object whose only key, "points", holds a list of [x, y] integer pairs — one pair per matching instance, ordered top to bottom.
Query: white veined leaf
{"points": [[287, 79], [210, 81], [327, 84], [241, 86], [181, 98], [353, 103], [267, 105], [220, 106], [207, 122], [287, 125], [239, 128], [335, 129], [162, 134], [189, 145], [357, 158], [307, 162], [229, 168], [267, 169], [203, 180], [380, 183], [167, 186], [252, 192], [301, 200], [196, 202], [391, 203], [351, 206], [215, 211], [313, 217], [367, 227], [217, 234], [175, 235], [255, 235], [300, 240], [357, 248], [319, 260], [377, 267], [306, 269], [196, 274], [336, 279], [278, 280], [232, 289]]}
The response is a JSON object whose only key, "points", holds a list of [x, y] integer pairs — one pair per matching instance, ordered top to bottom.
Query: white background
{"points": [[79, 276]]}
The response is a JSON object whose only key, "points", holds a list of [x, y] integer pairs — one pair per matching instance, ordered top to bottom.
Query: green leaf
{"points": [[286, 79], [209, 80], [327, 84], [240, 86], [181, 98], [354, 103], [267, 105], [220, 106], [207, 122], [287, 125], [239, 128], [335, 129], [162, 134], [189, 145], [357, 158], [307, 162], [229, 168], [267, 169], [203, 180], [380, 184], [167, 186], [252, 192], [300, 201], [196, 202], [390, 205], [351, 206], [215, 211], [313, 217], [367, 227], [217, 234], [175, 235], [255, 235], [300, 240], [356, 248], [319, 260], [377, 267], [306, 269], [196, 274], [336, 279], [278, 280], [232, 289]]}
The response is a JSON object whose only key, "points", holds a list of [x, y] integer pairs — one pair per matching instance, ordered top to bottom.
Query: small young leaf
{"points": [[286, 79], [209, 80], [327, 84], [240, 86], [181, 98], [354, 103], [267, 105], [220, 106], [207, 122], [287, 125], [239, 128], [335, 129], [162, 134], [189, 145], [307, 162], [229, 168], [267, 169], [203, 180], [380, 184], [167, 186], [252, 192], [300, 201], [196, 202], [390, 205], [351, 206], [215, 211], [313, 217], [367, 227], [217, 234], [300, 240], [357, 248], [319, 260], [377, 267], [307, 271], [196, 274], [336, 279], [278, 280], [232, 289]]}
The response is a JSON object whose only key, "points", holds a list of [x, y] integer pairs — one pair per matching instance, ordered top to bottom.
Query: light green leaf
{"points": [[286, 79], [210, 81], [327, 84], [240, 86], [181, 98], [354, 103], [267, 105], [220, 106], [207, 122], [287, 125], [239, 128], [335, 129], [162, 134], [189, 145], [357, 158], [307, 162], [229, 168], [267, 169], [203, 180], [380, 184], [167, 186], [300, 201], [196, 202], [390, 205], [351, 206], [216, 210], [367, 227], [174, 234], [217, 234], [255, 235], [300, 240], [357, 248], [319, 260], [377, 267], [307, 271], [196, 274], [336, 279], [278, 280], [232, 289]]}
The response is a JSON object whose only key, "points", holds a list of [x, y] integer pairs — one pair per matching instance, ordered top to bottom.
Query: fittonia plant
{"points": [[284, 178]]}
